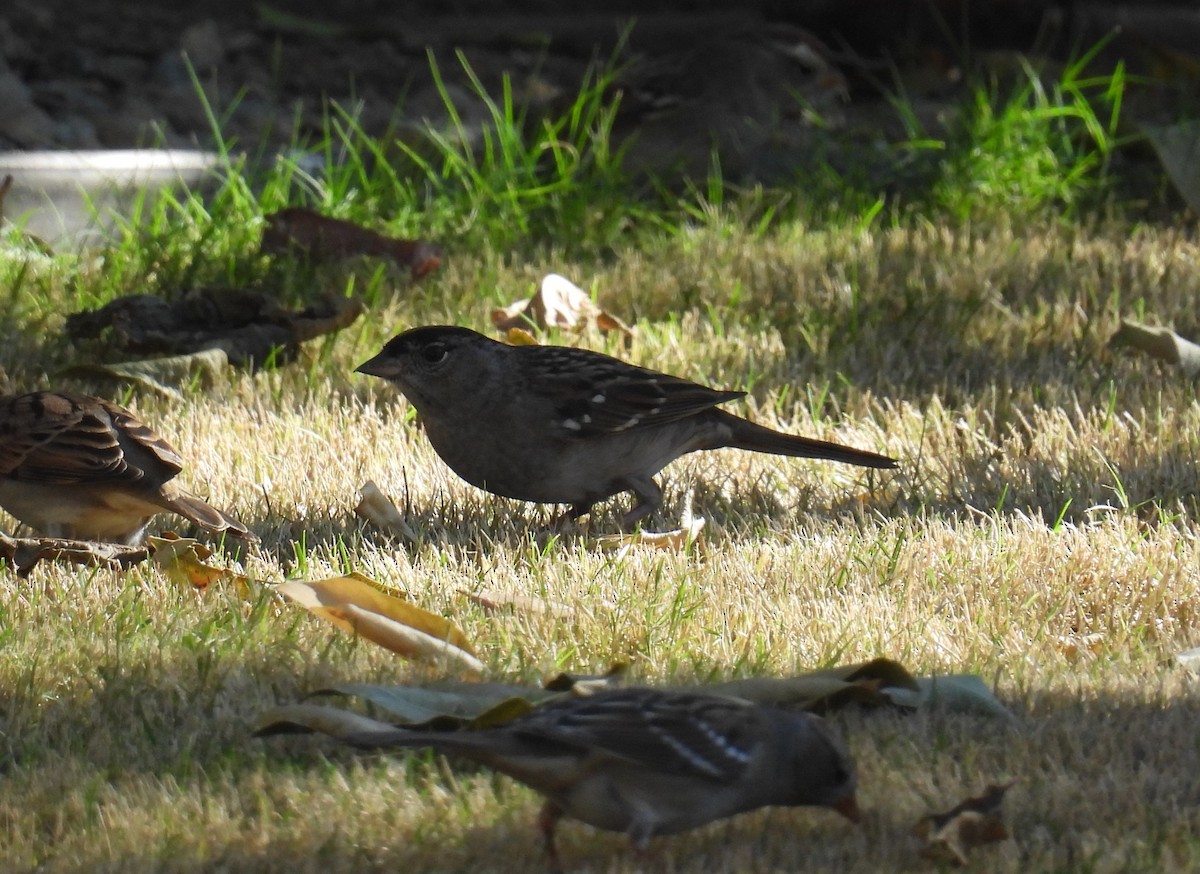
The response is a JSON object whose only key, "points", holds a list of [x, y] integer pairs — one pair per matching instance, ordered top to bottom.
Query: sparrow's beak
{"points": [[379, 366], [847, 806]]}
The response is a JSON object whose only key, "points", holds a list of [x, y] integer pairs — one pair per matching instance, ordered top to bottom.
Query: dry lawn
{"points": [[1039, 533]]}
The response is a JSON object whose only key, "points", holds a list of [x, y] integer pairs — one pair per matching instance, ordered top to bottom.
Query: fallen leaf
{"points": [[319, 236], [558, 303], [520, 337], [1161, 343], [162, 375], [375, 507], [688, 533], [24, 553], [182, 559], [492, 600], [359, 605], [1076, 646], [1189, 659], [587, 684], [822, 691], [955, 693], [447, 704], [304, 718], [974, 822]]}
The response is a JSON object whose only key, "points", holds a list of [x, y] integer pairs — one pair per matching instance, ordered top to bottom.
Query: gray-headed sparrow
{"points": [[562, 425], [80, 467], [647, 762]]}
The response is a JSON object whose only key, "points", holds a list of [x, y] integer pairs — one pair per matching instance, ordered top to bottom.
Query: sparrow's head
{"points": [[424, 363], [823, 772]]}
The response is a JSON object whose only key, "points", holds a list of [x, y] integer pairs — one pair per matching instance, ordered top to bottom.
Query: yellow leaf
{"points": [[520, 337], [182, 559], [359, 605]]}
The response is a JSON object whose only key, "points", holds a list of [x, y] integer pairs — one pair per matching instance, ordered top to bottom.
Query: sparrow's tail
{"points": [[756, 438], [208, 517]]}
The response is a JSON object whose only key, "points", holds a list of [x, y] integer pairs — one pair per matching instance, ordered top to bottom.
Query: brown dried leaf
{"points": [[319, 236], [558, 303], [24, 553], [1076, 646], [302, 718], [973, 822]]}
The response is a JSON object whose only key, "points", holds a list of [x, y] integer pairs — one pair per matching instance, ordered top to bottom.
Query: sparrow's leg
{"points": [[649, 496], [547, 821]]}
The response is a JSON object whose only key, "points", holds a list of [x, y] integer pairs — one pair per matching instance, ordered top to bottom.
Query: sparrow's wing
{"points": [[593, 394], [64, 439]]}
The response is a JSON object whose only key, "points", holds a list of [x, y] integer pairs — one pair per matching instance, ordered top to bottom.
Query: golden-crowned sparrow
{"points": [[562, 425], [83, 468], [647, 762]]}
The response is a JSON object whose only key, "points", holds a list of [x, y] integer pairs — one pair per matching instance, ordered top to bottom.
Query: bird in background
{"points": [[556, 424], [83, 468], [647, 762]]}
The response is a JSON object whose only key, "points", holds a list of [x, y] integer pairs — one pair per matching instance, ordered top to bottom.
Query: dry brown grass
{"points": [[1039, 532]]}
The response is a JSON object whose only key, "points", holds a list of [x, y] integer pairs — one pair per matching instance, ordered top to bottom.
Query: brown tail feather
{"points": [[756, 438], [207, 516]]}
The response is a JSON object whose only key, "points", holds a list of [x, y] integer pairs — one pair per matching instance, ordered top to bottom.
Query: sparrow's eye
{"points": [[434, 353]]}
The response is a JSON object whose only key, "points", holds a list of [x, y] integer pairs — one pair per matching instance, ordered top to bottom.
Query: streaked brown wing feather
{"points": [[609, 395], [64, 439], [682, 735]]}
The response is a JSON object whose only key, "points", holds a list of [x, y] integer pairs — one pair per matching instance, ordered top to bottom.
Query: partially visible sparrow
{"points": [[743, 93], [562, 425], [83, 468], [648, 763]]}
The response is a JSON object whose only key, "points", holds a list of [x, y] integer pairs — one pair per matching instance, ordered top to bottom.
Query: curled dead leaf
{"points": [[558, 303], [1161, 343], [375, 507], [688, 533], [24, 553], [587, 684], [445, 704], [304, 718], [971, 823]]}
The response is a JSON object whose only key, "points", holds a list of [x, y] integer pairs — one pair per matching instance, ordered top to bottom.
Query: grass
{"points": [[1039, 531]]}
